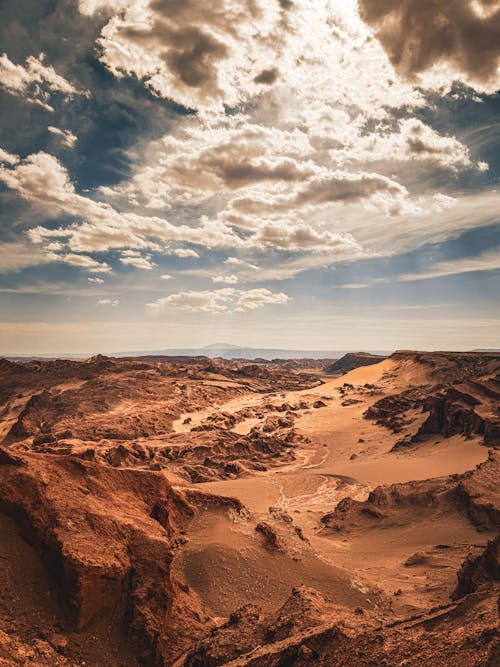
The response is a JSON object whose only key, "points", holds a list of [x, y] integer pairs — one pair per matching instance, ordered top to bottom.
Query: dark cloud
{"points": [[181, 32], [418, 34], [189, 53], [267, 76]]}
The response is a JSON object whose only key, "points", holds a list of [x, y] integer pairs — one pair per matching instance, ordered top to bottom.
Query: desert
{"points": [[249, 333], [206, 512]]}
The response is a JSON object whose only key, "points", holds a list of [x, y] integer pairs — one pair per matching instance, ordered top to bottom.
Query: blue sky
{"points": [[315, 175]]}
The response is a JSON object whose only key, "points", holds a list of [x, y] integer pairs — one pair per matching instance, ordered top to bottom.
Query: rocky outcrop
{"points": [[351, 361], [445, 410], [475, 495], [109, 536], [479, 572], [249, 630], [464, 634]]}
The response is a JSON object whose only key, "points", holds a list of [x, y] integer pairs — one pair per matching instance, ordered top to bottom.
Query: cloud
{"points": [[90, 7], [460, 36], [201, 55], [267, 76], [35, 82], [68, 139], [409, 141], [206, 157], [8, 158], [42, 180], [302, 237], [185, 253], [15, 256], [487, 261], [84, 262], [138, 262], [241, 263], [166, 276], [226, 280], [96, 281], [353, 286], [257, 298], [219, 301], [108, 302]]}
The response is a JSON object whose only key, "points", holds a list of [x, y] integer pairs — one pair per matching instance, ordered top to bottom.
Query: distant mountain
{"points": [[223, 350], [235, 352]]}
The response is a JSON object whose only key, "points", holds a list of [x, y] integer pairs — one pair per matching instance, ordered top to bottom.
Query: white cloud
{"points": [[89, 7], [198, 54], [35, 82], [67, 137], [411, 140], [8, 158], [42, 180], [302, 237], [185, 253], [15, 256], [85, 262], [138, 262], [241, 263], [166, 276], [225, 279], [96, 281], [353, 286], [257, 298], [219, 301], [108, 302]]}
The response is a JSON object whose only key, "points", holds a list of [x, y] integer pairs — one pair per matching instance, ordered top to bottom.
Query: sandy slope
{"points": [[349, 456]]}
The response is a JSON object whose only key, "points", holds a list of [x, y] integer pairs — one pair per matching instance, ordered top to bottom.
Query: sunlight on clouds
{"points": [[34, 82], [317, 138], [219, 301]]}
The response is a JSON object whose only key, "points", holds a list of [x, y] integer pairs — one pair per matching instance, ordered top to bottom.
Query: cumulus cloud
{"points": [[418, 35], [199, 54], [35, 82], [67, 137], [409, 141], [205, 157], [8, 158], [287, 186], [303, 237], [185, 253], [138, 262], [166, 276], [225, 279], [96, 281], [257, 298], [220, 301]]}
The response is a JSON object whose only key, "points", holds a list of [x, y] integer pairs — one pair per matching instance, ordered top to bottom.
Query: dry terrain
{"points": [[202, 512]]}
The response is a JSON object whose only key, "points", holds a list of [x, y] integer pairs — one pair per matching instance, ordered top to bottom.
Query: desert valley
{"points": [[201, 512]]}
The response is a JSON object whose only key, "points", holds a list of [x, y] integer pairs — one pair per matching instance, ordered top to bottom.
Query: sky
{"points": [[301, 174]]}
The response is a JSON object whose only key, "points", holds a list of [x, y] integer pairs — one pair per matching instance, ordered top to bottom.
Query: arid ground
{"points": [[196, 512]]}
